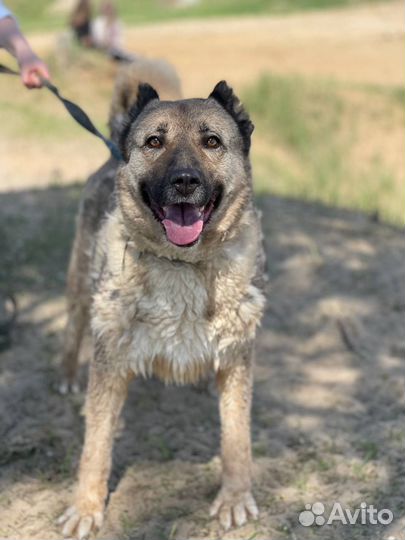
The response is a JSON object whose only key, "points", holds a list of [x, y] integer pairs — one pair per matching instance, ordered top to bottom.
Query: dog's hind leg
{"points": [[95, 202], [93, 205], [78, 301]]}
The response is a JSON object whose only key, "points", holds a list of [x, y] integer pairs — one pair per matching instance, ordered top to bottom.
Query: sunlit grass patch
{"points": [[43, 14], [85, 77], [321, 141]]}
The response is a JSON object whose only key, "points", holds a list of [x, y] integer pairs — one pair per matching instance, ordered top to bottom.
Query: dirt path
{"points": [[328, 404]]}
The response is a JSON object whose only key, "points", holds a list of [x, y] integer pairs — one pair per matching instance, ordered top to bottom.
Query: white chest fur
{"points": [[173, 319], [170, 323]]}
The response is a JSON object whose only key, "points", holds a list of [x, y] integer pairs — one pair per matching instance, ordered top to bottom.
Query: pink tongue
{"points": [[183, 223]]}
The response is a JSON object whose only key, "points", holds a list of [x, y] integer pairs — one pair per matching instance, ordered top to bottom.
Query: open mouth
{"points": [[184, 222]]}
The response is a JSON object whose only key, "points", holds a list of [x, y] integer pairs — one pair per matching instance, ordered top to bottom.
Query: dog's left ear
{"points": [[146, 94], [225, 96]]}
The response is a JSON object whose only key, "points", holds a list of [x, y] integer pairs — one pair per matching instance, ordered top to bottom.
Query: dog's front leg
{"points": [[105, 397], [235, 502]]}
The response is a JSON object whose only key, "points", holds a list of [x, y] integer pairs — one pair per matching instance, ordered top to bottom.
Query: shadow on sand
{"points": [[328, 397]]}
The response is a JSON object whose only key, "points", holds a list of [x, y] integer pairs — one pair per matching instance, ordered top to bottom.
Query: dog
{"points": [[171, 272]]}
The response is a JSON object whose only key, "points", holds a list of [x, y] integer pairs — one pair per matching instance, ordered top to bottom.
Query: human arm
{"points": [[31, 66]]}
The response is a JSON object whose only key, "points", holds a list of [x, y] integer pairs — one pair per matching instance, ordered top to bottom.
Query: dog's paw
{"points": [[66, 387], [234, 508], [78, 524]]}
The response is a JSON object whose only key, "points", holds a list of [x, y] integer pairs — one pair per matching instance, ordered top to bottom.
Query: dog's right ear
{"points": [[146, 94], [224, 95]]}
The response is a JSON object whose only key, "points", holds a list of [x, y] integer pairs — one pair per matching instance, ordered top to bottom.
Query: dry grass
{"points": [[334, 143]]}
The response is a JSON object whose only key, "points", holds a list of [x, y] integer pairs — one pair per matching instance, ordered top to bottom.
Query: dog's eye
{"points": [[154, 142], [212, 142]]}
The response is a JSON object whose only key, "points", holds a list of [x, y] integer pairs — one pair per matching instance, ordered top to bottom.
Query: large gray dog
{"points": [[171, 281]]}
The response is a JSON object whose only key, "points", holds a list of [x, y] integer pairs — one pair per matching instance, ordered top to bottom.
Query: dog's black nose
{"points": [[186, 181]]}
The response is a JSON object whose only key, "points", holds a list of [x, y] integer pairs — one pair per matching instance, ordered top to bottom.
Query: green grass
{"points": [[38, 15], [40, 115], [36, 121], [307, 135]]}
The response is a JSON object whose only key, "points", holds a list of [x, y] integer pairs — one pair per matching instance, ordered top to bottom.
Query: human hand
{"points": [[33, 69]]}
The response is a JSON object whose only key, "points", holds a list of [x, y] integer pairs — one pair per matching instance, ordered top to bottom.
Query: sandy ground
{"points": [[361, 44], [358, 45], [329, 394], [328, 402]]}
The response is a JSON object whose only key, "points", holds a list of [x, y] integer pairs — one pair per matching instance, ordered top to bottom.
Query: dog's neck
{"points": [[124, 252]]}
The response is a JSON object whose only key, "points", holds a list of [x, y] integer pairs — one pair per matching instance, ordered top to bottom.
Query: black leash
{"points": [[75, 112]]}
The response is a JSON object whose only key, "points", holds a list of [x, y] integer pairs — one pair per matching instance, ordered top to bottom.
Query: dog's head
{"points": [[186, 180]]}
